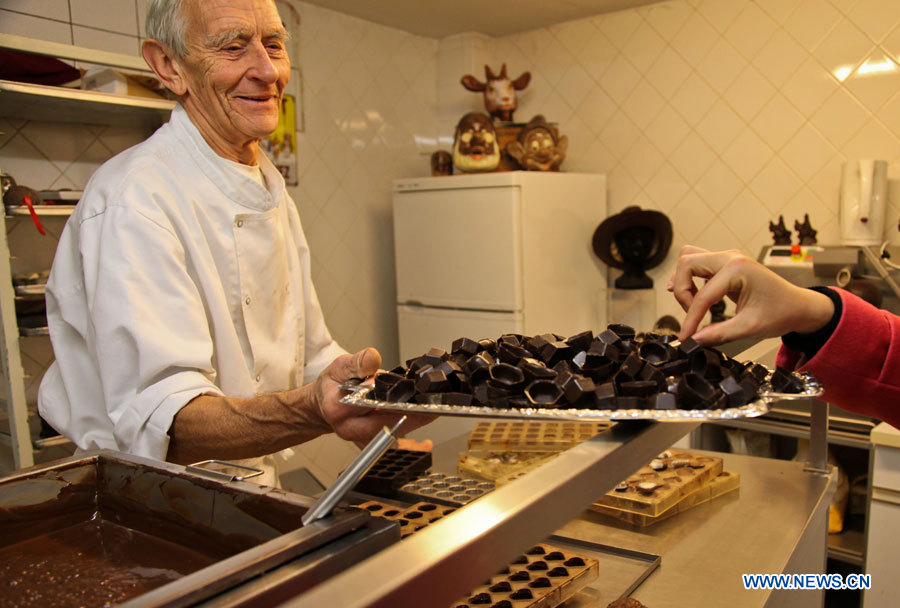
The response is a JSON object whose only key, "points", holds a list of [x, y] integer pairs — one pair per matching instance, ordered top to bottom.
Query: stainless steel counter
{"points": [[775, 523]]}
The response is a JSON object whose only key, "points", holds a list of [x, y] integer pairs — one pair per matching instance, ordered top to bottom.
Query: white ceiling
{"points": [[440, 18]]}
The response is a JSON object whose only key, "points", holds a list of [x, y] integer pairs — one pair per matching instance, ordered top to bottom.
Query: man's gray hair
{"points": [[167, 22]]}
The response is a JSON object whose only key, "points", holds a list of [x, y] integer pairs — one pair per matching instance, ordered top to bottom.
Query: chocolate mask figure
{"points": [[475, 144], [536, 148], [441, 163]]}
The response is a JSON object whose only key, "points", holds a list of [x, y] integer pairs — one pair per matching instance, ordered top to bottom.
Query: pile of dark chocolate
{"points": [[614, 370]]}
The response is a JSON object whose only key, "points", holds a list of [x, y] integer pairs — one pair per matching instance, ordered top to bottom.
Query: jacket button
{"points": [[239, 223], [247, 301], [258, 377]]}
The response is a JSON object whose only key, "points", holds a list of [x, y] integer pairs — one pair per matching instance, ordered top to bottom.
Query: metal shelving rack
{"points": [[53, 104]]}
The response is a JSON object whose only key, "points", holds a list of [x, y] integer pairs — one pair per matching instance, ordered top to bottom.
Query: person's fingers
{"points": [[714, 290], [361, 365]]}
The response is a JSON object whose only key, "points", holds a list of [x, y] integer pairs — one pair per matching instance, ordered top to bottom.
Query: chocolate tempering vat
{"points": [[105, 528]]}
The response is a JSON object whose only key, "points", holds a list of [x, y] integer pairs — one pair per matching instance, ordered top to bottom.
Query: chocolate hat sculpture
{"points": [[634, 240]]}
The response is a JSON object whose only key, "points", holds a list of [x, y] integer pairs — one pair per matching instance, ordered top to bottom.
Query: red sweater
{"points": [[859, 365]]}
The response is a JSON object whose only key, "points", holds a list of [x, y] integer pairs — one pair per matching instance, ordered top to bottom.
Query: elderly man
{"points": [[181, 310]]}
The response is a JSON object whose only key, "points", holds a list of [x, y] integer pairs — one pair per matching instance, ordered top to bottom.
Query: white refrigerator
{"points": [[479, 255]]}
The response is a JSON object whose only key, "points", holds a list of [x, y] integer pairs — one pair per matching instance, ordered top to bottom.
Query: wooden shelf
{"points": [[62, 104], [22, 211]]}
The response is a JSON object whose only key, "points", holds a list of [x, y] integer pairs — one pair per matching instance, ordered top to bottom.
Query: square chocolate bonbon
{"points": [[618, 369]]}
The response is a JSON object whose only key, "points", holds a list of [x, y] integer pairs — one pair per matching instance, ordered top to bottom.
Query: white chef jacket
{"points": [[176, 275]]}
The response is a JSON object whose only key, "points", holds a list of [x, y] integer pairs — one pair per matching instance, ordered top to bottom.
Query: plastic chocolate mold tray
{"points": [[532, 436], [393, 469], [723, 483], [656, 487], [453, 490], [411, 519], [543, 577]]}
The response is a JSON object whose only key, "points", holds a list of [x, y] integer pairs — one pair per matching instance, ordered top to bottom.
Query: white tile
{"points": [[141, 6], [48, 9], [779, 10], [720, 13], [120, 16], [668, 17], [875, 17], [811, 21], [619, 26], [37, 27], [750, 30], [574, 35], [695, 39], [105, 41], [891, 43], [644, 47], [844, 49], [598, 56], [779, 58], [553, 62], [721, 66], [668, 73], [620, 79], [875, 81], [575, 86], [809, 87], [750, 93], [694, 99], [643, 105], [596, 109], [890, 114], [840, 117], [777, 122], [720, 126], [668, 130], [620, 134], [580, 139], [874, 140], [61, 144], [806, 152], [747, 155], [597, 158], [692, 158], [642, 161], [26, 164], [81, 170], [826, 184], [718, 185], [775, 185], [666, 187], [622, 189], [795, 210], [743, 214], [691, 216], [719, 237]]}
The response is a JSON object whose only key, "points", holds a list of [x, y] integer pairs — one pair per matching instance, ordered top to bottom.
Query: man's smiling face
{"points": [[235, 69]]}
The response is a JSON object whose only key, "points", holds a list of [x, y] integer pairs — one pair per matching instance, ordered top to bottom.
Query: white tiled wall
{"points": [[721, 113], [724, 114]]}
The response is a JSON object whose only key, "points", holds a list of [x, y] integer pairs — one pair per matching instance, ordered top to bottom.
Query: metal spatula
{"points": [[352, 474]]}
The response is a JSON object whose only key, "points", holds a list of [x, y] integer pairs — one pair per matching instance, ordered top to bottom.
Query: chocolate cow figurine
{"points": [[500, 98]]}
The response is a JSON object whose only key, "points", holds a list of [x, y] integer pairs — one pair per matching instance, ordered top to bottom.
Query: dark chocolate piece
{"points": [[624, 332], [580, 341], [466, 346], [688, 346], [554, 352], [654, 352], [511, 353], [434, 356], [478, 361], [632, 365], [675, 368], [536, 370], [506, 376], [434, 381], [783, 381], [383, 382], [577, 388], [639, 388], [694, 390], [733, 390], [402, 391], [543, 393], [605, 396], [665, 401], [536, 550], [554, 556], [520, 560], [574, 561], [537, 566], [558, 572], [521, 575], [539, 583], [500, 587], [522, 594], [481, 598], [503, 604]]}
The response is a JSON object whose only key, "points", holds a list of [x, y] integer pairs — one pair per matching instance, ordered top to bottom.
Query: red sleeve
{"points": [[860, 364]]}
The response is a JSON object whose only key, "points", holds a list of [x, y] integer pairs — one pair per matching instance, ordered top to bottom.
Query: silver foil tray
{"points": [[812, 389]]}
